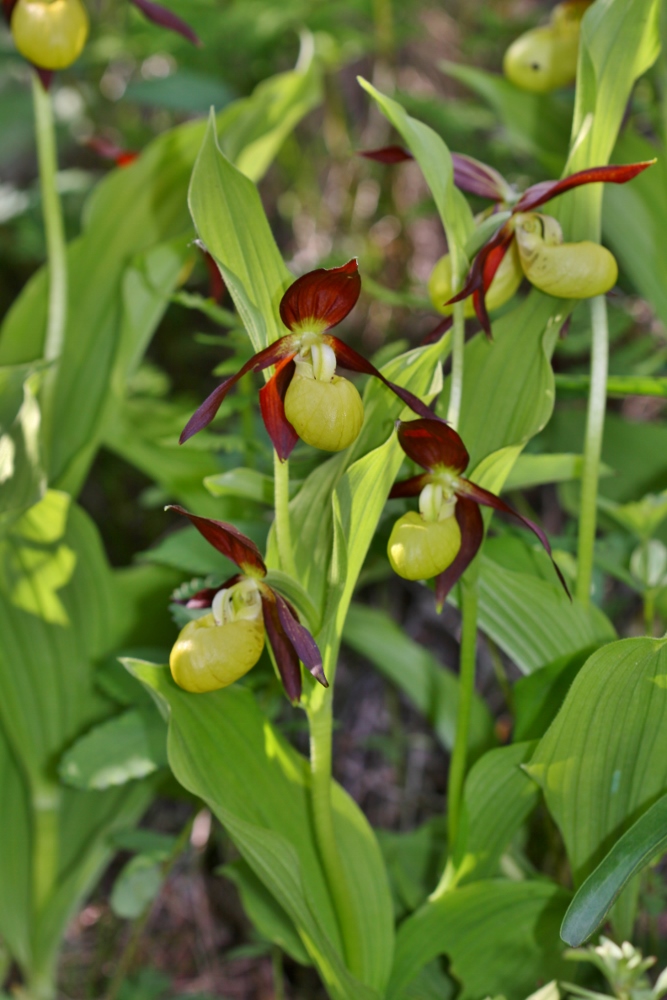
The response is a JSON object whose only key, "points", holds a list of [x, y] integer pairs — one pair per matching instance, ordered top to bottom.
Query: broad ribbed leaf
{"points": [[230, 220], [532, 620], [430, 686], [220, 744], [604, 759], [498, 796], [645, 840], [500, 938]]}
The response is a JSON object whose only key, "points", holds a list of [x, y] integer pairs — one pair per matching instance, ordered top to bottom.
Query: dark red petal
{"points": [[166, 18], [388, 154], [477, 178], [540, 193], [322, 297], [479, 305], [436, 333], [355, 362], [272, 405], [203, 416], [433, 442], [410, 487], [488, 499], [472, 532], [226, 539], [301, 639], [285, 655]]}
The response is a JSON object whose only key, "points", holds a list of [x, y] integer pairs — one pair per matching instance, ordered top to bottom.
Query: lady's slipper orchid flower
{"points": [[566, 270], [305, 398], [444, 537], [216, 649]]}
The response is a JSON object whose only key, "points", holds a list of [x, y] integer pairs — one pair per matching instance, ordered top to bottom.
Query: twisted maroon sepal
{"points": [[166, 18], [470, 175], [437, 447], [290, 641]]}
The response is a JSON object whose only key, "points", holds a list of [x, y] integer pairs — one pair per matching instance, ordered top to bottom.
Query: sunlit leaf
{"points": [[604, 758]]}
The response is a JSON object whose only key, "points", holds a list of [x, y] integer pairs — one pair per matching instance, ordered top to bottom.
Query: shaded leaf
{"points": [[129, 746]]}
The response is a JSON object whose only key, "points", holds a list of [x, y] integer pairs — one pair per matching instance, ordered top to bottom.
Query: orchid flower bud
{"points": [[51, 34], [545, 58], [566, 270], [504, 285], [324, 409], [213, 651]]}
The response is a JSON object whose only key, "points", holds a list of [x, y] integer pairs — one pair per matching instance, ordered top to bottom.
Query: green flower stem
{"points": [[53, 220], [456, 382], [597, 404], [282, 524], [649, 611], [468, 657], [320, 718], [45, 850]]}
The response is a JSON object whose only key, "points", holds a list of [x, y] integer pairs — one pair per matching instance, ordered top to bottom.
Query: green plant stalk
{"points": [[53, 220], [456, 380], [597, 404], [282, 522], [649, 611], [468, 657], [320, 718], [45, 850]]}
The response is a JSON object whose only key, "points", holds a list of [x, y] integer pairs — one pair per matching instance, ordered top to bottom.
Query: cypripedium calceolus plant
{"points": [[51, 34], [545, 58], [529, 244], [305, 398], [444, 537], [217, 648]]}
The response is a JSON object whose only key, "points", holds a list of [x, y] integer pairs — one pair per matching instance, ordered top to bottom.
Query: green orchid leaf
{"points": [[435, 161], [230, 220], [127, 263], [536, 470], [22, 479], [532, 620], [430, 686], [538, 697], [127, 747], [604, 758], [497, 798], [272, 828], [645, 840], [414, 860], [267, 916], [518, 923]]}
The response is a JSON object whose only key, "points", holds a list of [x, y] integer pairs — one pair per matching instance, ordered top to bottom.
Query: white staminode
{"points": [[315, 358], [436, 502], [242, 601]]}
